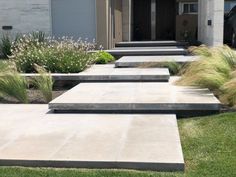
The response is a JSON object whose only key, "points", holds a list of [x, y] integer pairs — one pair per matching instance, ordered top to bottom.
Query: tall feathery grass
{"points": [[5, 46], [173, 66], [214, 70], [44, 83], [13, 85]]}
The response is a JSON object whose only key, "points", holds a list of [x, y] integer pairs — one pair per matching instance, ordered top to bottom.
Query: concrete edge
{"points": [[167, 167]]}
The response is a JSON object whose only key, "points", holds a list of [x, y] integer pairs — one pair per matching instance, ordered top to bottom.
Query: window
{"points": [[229, 5], [188, 8]]}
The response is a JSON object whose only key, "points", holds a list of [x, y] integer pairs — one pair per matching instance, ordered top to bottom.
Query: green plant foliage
{"points": [[39, 36], [5, 46], [64, 56], [104, 57], [173, 67], [213, 70], [44, 83], [13, 85], [229, 92]]}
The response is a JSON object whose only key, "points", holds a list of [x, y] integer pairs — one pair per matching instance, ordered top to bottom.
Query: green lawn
{"points": [[209, 146]]}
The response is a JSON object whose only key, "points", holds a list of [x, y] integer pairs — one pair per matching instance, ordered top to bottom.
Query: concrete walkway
{"points": [[32, 136]]}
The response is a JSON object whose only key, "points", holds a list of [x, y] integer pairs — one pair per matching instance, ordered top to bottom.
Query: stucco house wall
{"points": [[25, 15]]}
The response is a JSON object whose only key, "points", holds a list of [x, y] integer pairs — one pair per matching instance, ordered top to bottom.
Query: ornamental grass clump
{"points": [[5, 46], [57, 56], [213, 70], [44, 83], [13, 85]]}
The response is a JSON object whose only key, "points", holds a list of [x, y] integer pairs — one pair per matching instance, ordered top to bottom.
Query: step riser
{"points": [[151, 44], [146, 53], [197, 110], [98, 165]]}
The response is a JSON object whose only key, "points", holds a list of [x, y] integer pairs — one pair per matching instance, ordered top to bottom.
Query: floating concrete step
{"points": [[150, 44], [147, 51], [136, 61], [108, 73], [135, 98], [30, 136]]}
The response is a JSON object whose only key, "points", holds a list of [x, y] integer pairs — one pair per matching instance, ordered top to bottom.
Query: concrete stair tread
{"points": [[150, 43], [147, 51], [135, 61], [108, 72], [132, 97], [126, 141]]}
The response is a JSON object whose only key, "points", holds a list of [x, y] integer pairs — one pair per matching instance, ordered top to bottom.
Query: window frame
{"points": [[181, 8]]}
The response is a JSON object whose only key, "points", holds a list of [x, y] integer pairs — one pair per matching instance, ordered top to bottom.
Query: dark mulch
{"points": [[35, 97]]}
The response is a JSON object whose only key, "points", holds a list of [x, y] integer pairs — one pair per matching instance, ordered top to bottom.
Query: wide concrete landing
{"points": [[150, 43], [146, 51], [137, 61], [136, 97], [30, 136]]}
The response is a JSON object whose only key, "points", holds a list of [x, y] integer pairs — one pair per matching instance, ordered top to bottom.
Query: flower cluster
{"points": [[63, 55]]}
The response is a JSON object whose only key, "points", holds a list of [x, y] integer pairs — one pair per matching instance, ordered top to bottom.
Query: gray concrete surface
{"points": [[150, 43], [146, 51], [136, 61], [106, 73], [132, 97], [32, 136]]}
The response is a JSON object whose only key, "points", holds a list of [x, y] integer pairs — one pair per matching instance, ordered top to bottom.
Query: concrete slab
{"points": [[150, 43], [146, 51], [137, 61], [108, 73], [136, 97], [32, 136]]}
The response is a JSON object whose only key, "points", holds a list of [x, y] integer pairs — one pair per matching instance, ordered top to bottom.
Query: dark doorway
{"points": [[164, 16], [165, 19], [141, 20]]}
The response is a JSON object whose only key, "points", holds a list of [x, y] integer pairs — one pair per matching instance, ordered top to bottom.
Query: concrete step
{"points": [[150, 44], [147, 51], [137, 61], [108, 73], [136, 98], [116, 141]]}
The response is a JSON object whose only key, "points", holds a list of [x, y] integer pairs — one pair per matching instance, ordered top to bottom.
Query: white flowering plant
{"points": [[64, 55]]}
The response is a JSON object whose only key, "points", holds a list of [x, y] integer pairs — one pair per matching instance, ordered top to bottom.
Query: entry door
{"points": [[165, 19], [141, 20]]}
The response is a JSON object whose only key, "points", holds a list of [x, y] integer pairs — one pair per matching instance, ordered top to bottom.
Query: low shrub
{"points": [[64, 56], [104, 57], [214, 70], [44, 83]]}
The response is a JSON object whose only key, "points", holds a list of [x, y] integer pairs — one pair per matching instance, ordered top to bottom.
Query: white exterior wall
{"points": [[211, 10], [25, 15]]}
